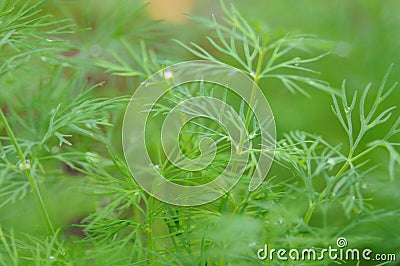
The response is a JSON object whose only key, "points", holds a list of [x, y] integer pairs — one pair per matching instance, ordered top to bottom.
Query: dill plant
{"points": [[66, 126]]}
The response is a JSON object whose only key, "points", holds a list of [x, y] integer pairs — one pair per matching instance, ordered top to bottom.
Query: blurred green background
{"points": [[364, 40]]}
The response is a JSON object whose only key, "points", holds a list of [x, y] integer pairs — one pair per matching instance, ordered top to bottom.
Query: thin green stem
{"points": [[256, 78], [358, 156], [26, 167], [344, 167], [313, 204], [309, 212], [137, 218], [150, 229], [13, 253], [221, 261]]}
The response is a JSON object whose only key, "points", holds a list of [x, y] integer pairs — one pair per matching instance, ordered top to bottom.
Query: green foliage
{"points": [[25, 31], [261, 55], [62, 100]]}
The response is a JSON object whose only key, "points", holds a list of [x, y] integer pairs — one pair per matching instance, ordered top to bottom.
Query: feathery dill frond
{"points": [[261, 55]]}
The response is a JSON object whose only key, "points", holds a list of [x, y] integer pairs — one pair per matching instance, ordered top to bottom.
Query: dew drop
{"points": [[343, 49], [95, 50], [168, 75], [252, 135], [55, 149], [92, 157], [331, 161], [25, 166], [252, 244]]}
